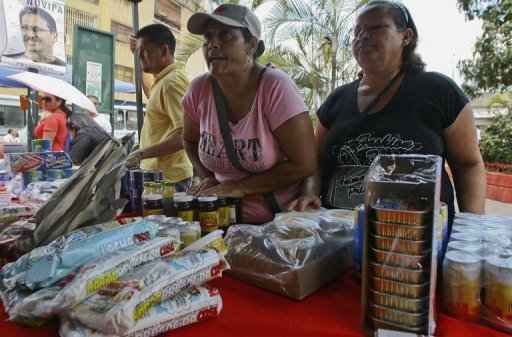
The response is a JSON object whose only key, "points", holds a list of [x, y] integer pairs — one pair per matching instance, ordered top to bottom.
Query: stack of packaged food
{"points": [[119, 278]]}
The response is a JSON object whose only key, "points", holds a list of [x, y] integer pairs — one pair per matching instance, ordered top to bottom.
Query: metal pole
{"points": [[138, 78], [32, 114]]}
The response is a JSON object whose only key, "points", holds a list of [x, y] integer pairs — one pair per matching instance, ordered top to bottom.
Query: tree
{"points": [[321, 33], [491, 66], [496, 143]]}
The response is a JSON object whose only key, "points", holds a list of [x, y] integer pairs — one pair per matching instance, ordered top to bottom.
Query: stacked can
{"points": [[40, 145], [135, 187]]}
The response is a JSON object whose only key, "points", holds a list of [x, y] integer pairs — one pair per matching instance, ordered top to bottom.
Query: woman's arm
{"points": [[49, 135], [296, 140], [190, 144], [465, 161], [311, 190]]}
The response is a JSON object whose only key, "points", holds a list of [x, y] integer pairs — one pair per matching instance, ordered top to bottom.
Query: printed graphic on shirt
{"points": [[213, 153], [353, 158]]}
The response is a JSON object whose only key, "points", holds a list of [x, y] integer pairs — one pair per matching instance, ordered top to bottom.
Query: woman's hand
{"points": [[204, 184], [230, 189], [304, 201]]}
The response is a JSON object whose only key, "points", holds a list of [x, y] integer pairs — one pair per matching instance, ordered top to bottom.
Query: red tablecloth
{"points": [[251, 311]]}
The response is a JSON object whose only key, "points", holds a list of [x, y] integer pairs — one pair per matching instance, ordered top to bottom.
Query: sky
{"points": [[445, 36]]}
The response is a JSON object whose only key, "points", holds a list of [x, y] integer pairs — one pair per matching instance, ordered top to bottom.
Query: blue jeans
{"points": [[182, 186]]}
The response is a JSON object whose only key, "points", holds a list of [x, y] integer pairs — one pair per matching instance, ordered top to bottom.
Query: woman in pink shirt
{"points": [[269, 123], [53, 126]]}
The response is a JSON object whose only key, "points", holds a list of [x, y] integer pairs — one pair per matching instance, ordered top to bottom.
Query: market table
{"points": [[251, 311]]}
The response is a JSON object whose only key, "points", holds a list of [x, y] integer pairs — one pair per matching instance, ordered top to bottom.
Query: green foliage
{"points": [[491, 66], [496, 143]]}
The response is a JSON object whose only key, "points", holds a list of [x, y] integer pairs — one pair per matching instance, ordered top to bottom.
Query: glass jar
{"points": [[147, 188], [156, 188], [167, 195], [152, 204], [183, 204], [224, 210], [235, 211], [208, 212]]}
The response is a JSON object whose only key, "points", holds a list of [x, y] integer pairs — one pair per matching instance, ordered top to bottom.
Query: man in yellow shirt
{"points": [[161, 145]]}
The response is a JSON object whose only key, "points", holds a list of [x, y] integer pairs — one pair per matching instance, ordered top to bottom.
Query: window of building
{"points": [[168, 12], [75, 16], [121, 32], [124, 73]]}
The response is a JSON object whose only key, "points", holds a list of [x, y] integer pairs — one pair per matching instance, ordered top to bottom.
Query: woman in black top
{"points": [[394, 107]]}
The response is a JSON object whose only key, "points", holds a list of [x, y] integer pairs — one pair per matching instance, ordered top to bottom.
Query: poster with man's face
{"points": [[34, 31]]}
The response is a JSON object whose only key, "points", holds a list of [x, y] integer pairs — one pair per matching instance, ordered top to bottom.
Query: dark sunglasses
{"points": [[46, 99]]}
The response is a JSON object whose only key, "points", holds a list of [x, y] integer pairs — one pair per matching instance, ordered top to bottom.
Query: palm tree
{"points": [[324, 27]]}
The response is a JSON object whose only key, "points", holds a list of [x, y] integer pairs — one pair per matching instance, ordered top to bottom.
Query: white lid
{"points": [[178, 194], [152, 197], [183, 198], [207, 199], [461, 236], [465, 246], [462, 257], [500, 262]]}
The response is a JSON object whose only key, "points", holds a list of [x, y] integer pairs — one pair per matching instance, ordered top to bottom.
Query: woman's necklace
{"points": [[382, 92]]}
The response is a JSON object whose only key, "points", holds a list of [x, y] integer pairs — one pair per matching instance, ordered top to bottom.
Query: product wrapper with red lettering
{"points": [[116, 308]]}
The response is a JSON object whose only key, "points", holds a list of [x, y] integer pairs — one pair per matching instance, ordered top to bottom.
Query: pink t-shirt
{"points": [[277, 100]]}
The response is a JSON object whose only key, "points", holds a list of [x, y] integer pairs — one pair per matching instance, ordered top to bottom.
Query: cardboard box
{"points": [[32, 161], [401, 191], [296, 283]]}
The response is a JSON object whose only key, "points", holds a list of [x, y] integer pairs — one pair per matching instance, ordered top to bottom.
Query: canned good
{"points": [[41, 145], [52, 175], [153, 175], [170, 231], [189, 232], [358, 233], [442, 238], [464, 246], [462, 280], [498, 291]]}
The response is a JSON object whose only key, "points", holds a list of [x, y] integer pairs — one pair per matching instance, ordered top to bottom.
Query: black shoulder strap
{"points": [[222, 116], [225, 131]]}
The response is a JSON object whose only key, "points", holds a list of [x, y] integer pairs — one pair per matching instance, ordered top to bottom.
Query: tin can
{"points": [[40, 145], [67, 173], [52, 175], [153, 175], [30, 177], [170, 231], [189, 232], [358, 233], [442, 238], [462, 282], [498, 291]]}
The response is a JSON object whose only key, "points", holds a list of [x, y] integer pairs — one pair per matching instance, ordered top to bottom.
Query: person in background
{"points": [[39, 33], [395, 107], [99, 118], [267, 118], [53, 126], [12, 136], [86, 136], [161, 145]]}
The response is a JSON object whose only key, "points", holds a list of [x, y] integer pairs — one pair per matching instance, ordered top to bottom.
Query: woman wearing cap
{"points": [[395, 107], [53, 126], [270, 127], [87, 135]]}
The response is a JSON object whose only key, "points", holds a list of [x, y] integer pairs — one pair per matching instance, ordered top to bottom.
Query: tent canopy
{"points": [[119, 86]]}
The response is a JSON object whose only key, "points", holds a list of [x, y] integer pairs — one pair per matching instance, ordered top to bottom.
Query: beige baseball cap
{"points": [[228, 14]]}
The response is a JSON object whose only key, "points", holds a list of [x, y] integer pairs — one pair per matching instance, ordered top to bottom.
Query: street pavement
{"points": [[497, 207]]}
